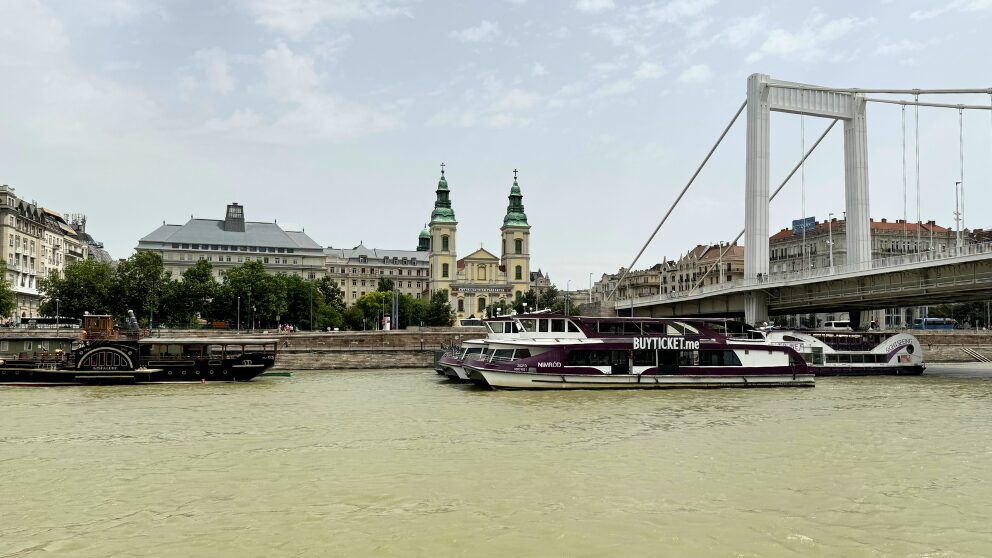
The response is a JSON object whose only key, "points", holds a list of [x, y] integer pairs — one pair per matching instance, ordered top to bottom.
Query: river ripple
{"points": [[400, 463]]}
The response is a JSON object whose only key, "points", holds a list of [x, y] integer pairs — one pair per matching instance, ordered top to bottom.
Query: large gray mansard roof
{"points": [[211, 231]]}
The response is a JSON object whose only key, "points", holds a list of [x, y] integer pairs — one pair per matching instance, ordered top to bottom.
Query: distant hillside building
{"points": [[232, 241]]}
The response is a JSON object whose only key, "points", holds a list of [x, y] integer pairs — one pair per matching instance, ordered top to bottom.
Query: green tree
{"points": [[140, 283], [385, 285], [83, 286], [332, 294], [191, 296], [262, 296], [530, 297], [7, 302], [373, 306], [413, 311], [438, 312], [354, 319]]}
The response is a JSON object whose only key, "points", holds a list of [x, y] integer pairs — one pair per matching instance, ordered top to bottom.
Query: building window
{"points": [[444, 244], [518, 246], [444, 270], [481, 273], [518, 273], [354, 295], [482, 304], [461, 305]]}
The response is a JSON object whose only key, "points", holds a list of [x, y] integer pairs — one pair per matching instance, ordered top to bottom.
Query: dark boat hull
{"points": [[41, 376]]}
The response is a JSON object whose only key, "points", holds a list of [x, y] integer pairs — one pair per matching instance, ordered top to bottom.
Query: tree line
{"points": [[246, 295]]}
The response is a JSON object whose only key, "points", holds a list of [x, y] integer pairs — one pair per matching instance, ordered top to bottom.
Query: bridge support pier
{"points": [[756, 307]]}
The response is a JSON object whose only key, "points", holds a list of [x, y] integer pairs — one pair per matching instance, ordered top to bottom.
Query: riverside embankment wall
{"points": [[415, 349]]}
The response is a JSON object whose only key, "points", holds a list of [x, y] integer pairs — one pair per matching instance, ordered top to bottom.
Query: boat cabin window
{"points": [[529, 325], [542, 325], [558, 326], [492, 327], [572, 328], [632, 328], [688, 328], [791, 338], [254, 348], [473, 350], [215, 351], [232, 351], [521, 353], [502, 354], [587, 357], [645, 358], [688, 358], [718, 358]]}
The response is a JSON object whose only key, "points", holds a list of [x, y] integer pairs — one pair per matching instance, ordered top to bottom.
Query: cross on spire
{"points": [[442, 169], [514, 174]]}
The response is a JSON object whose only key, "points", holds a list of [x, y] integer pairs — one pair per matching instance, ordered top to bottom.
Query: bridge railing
{"points": [[880, 263]]}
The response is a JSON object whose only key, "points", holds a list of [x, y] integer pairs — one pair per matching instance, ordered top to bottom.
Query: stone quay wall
{"points": [[416, 349]]}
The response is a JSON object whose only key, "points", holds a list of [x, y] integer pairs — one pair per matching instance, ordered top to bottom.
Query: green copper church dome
{"points": [[442, 205], [515, 216]]}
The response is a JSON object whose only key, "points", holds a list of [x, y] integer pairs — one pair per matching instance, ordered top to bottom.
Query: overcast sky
{"points": [[334, 116]]}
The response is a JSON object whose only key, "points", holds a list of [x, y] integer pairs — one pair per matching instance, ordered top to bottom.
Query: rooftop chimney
{"points": [[235, 219]]}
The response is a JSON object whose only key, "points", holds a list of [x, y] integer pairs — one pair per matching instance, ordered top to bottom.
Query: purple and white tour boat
{"points": [[548, 351], [854, 353]]}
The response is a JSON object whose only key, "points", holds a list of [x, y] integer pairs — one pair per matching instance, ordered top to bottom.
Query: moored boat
{"points": [[573, 352], [854, 353], [103, 355]]}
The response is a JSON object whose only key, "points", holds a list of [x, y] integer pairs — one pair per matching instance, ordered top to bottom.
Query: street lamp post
{"points": [[957, 218], [830, 238], [719, 264], [568, 285], [590, 287], [311, 305], [56, 314], [239, 314]]}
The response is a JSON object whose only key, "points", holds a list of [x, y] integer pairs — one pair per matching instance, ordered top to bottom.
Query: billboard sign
{"points": [[799, 226]]}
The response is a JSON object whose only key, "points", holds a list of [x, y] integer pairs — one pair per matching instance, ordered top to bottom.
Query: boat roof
{"points": [[208, 340]]}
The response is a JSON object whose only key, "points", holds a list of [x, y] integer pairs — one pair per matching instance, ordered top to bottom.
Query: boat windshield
{"points": [[529, 324]]}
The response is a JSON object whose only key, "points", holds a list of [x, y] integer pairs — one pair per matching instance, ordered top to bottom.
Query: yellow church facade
{"points": [[480, 279]]}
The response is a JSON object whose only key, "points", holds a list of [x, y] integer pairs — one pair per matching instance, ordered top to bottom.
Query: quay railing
{"points": [[776, 279]]}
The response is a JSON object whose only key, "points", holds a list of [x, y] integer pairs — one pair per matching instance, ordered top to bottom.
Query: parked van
{"points": [[843, 325]]}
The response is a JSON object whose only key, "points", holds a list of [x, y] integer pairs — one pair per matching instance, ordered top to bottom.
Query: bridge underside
{"points": [[919, 287]]}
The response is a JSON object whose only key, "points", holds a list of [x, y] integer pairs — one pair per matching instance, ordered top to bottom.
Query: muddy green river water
{"points": [[401, 463]]}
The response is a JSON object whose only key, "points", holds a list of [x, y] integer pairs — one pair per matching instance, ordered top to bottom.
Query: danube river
{"points": [[373, 463]]}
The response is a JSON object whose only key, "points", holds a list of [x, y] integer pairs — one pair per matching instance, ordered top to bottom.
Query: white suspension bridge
{"points": [[920, 278]]}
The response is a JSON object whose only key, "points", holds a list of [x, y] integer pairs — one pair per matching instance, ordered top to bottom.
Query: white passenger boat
{"points": [[558, 352], [854, 353]]}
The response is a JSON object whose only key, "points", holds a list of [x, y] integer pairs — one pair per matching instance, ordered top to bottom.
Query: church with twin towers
{"points": [[481, 279]]}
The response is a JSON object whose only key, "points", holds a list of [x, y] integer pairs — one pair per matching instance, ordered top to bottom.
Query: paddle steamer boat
{"points": [[103, 355]]}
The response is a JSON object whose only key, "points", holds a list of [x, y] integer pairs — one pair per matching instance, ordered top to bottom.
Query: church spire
{"points": [[442, 205], [515, 216]]}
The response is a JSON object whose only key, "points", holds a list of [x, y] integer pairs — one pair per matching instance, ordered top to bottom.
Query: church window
{"points": [[444, 244], [518, 246], [444, 269], [481, 273], [518, 273], [482, 304], [461, 305]]}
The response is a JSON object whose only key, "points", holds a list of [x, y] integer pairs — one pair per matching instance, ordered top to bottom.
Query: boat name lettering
{"points": [[665, 343], [897, 344], [549, 365]]}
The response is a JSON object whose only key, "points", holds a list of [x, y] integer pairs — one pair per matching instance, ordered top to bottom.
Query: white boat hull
{"points": [[455, 372], [525, 380]]}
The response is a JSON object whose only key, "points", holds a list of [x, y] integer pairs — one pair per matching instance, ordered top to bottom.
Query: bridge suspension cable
{"points": [[919, 104], [770, 198], [678, 199], [905, 214]]}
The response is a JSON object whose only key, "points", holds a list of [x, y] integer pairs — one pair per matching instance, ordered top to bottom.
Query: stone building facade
{"points": [[232, 241], [36, 243], [357, 271]]}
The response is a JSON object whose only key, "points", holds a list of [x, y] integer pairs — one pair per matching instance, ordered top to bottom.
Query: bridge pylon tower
{"points": [[765, 95]]}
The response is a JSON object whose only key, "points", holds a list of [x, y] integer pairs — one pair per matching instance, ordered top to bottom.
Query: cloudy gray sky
{"points": [[334, 115]]}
